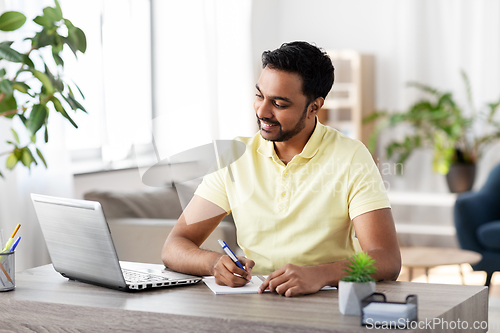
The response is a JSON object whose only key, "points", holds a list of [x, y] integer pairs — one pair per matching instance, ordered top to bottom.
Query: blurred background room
{"points": [[163, 76]]}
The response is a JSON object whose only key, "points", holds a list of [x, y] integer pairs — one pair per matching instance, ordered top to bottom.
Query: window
{"points": [[185, 64], [115, 77]]}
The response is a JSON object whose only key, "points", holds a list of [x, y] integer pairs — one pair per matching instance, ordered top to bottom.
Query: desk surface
{"points": [[45, 299]]}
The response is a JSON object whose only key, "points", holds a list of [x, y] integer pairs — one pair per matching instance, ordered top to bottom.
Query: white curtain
{"points": [[202, 73]]}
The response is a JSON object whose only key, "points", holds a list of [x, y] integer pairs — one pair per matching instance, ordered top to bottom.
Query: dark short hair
{"points": [[310, 62]]}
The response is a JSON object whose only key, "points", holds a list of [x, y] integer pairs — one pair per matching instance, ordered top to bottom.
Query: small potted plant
{"points": [[357, 285]]}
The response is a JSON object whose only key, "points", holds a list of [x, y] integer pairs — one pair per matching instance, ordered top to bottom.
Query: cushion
{"points": [[161, 203], [157, 204], [489, 235]]}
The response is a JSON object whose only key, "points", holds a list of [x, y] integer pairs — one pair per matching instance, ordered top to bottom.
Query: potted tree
{"points": [[32, 81], [458, 139], [357, 285]]}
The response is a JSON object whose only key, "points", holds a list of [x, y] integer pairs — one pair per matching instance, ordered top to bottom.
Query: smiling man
{"points": [[312, 197]]}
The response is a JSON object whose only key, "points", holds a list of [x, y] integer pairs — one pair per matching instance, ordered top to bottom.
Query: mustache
{"points": [[266, 120]]}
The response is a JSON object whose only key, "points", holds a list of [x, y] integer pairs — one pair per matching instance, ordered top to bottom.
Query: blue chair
{"points": [[477, 220]]}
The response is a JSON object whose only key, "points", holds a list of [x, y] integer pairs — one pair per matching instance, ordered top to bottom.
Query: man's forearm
{"points": [[184, 256], [388, 268]]}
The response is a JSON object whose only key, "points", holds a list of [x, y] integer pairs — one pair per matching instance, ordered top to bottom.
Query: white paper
{"points": [[249, 288]]}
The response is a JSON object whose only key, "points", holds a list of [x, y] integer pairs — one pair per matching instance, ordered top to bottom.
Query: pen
{"points": [[15, 244], [8, 245], [231, 254], [6, 274]]}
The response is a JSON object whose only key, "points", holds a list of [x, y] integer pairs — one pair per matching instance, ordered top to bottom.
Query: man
{"points": [[299, 194]]}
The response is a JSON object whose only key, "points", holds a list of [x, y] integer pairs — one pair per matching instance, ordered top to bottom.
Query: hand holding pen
{"points": [[231, 270]]}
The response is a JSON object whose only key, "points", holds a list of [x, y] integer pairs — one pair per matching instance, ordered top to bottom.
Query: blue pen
{"points": [[15, 244], [231, 254]]}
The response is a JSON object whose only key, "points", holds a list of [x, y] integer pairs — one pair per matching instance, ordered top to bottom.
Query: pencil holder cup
{"points": [[7, 271]]}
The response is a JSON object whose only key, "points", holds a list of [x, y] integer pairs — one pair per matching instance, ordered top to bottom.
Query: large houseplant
{"points": [[31, 81], [458, 138], [357, 284]]}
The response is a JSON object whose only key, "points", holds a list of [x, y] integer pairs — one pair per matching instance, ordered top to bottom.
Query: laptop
{"points": [[81, 248]]}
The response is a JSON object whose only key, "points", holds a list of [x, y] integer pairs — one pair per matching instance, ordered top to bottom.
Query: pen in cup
{"points": [[10, 241], [15, 244], [9, 247]]}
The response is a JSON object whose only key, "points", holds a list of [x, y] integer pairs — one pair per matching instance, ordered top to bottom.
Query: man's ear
{"points": [[315, 106]]}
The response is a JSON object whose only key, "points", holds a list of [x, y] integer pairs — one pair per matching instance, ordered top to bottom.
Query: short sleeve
{"points": [[213, 189], [366, 190]]}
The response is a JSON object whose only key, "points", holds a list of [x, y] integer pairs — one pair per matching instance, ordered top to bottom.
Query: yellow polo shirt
{"points": [[298, 213]]}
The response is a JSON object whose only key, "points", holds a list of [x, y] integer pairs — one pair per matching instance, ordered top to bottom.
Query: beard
{"points": [[284, 135]]}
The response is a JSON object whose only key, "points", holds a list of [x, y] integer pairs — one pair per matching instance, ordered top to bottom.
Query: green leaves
{"points": [[52, 14], [51, 20], [10, 21], [43, 21], [78, 38], [8, 53], [44, 79], [6, 87], [22, 87], [17, 98], [8, 103], [59, 108], [37, 118], [438, 122], [16, 137], [39, 153], [23, 155], [27, 157], [11, 161], [361, 269]]}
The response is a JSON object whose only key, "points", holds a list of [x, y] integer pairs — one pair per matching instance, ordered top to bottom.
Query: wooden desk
{"points": [[45, 301]]}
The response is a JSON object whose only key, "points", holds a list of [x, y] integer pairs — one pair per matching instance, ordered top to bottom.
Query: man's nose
{"points": [[263, 109]]}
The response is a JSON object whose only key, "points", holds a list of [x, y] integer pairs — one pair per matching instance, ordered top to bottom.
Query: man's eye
{"points": [[258, 96], [279, 106]]}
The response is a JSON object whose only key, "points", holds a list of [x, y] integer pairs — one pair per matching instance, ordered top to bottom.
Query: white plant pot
{"points": [[351, 294]]}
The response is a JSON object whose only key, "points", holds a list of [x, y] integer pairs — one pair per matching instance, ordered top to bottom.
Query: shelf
{"points": [[352, 92], [338, 103], [422, 198]]}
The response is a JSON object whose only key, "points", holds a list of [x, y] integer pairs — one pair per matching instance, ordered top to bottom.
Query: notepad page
{"points": [[249, 288]]}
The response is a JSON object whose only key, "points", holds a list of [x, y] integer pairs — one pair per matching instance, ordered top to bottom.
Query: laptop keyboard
{"points": [[139, 277]]}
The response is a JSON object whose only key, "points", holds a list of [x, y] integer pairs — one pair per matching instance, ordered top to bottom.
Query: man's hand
{"points": [[226, 272], [292, 280]]}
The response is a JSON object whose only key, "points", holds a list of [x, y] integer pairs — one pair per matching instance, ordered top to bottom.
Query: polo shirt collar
{"points": [[314, 142], [266, 148]]}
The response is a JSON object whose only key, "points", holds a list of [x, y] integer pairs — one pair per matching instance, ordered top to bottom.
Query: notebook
{"points": [[81, 248], [250, 288]]}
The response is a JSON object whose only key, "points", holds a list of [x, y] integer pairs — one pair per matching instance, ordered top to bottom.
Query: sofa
{"points": [[477, 220], [141, 221]]}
